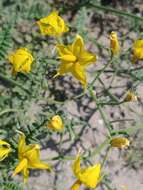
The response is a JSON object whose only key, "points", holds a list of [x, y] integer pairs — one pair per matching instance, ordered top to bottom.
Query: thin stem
{"points": [[118, 12], [14, 83], [7, 111], [107, 124], [105, 158]]}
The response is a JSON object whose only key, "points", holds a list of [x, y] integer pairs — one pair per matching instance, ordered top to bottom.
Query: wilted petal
{"points": [[119, 142]]}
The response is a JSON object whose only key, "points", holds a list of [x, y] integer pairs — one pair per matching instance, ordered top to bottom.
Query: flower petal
{"points": [[114, 43], [78, 46], [63, 50], [68, 58], [86, 58], [65, 68], [79, 73], [21, 144], [5, 149], [40, 165], [76, 165], [21, 166], [25, 174], [90, 176], [76, 185]]}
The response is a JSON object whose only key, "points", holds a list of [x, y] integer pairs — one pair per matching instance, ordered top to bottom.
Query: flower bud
{"points": [[114, 43], [130, 97], [56, 123], [120, 142]]}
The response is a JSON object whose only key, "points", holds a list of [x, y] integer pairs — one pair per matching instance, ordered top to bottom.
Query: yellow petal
{"points": [[114, 43], [77, 46], [63, 50], [137, 50], [68, 58], [87, 58], [65, 68], [79, 73], [4, 143], [21, 145], [5, 149], [4, 153], [33, 156], [40, 165], [76, 165], [21, 166], [25, 174], [90, 176], [76, 185]]}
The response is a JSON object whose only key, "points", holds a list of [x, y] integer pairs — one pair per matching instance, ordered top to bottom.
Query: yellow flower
{"points": [[52, 25], [114, 43], [137, 50], [74, 59], [21, 60], [130, 97], [56, 123], [120, 142], [5, 149], [29, 158], [89, 176]]}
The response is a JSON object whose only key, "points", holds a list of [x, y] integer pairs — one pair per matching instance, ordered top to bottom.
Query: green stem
{"points": [[118, 12], [12, 82], [7, 111], [107, 124], [99, 148], [105, 158]]}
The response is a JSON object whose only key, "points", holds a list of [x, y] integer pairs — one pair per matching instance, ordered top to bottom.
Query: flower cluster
{"points": [[74, 58]]}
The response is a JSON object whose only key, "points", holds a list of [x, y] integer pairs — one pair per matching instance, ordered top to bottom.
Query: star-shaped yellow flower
{"points": [[52, 25], [137, 50], [74, 59], [21, 60], [5, 149], [29, 157], [89, 176]]}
